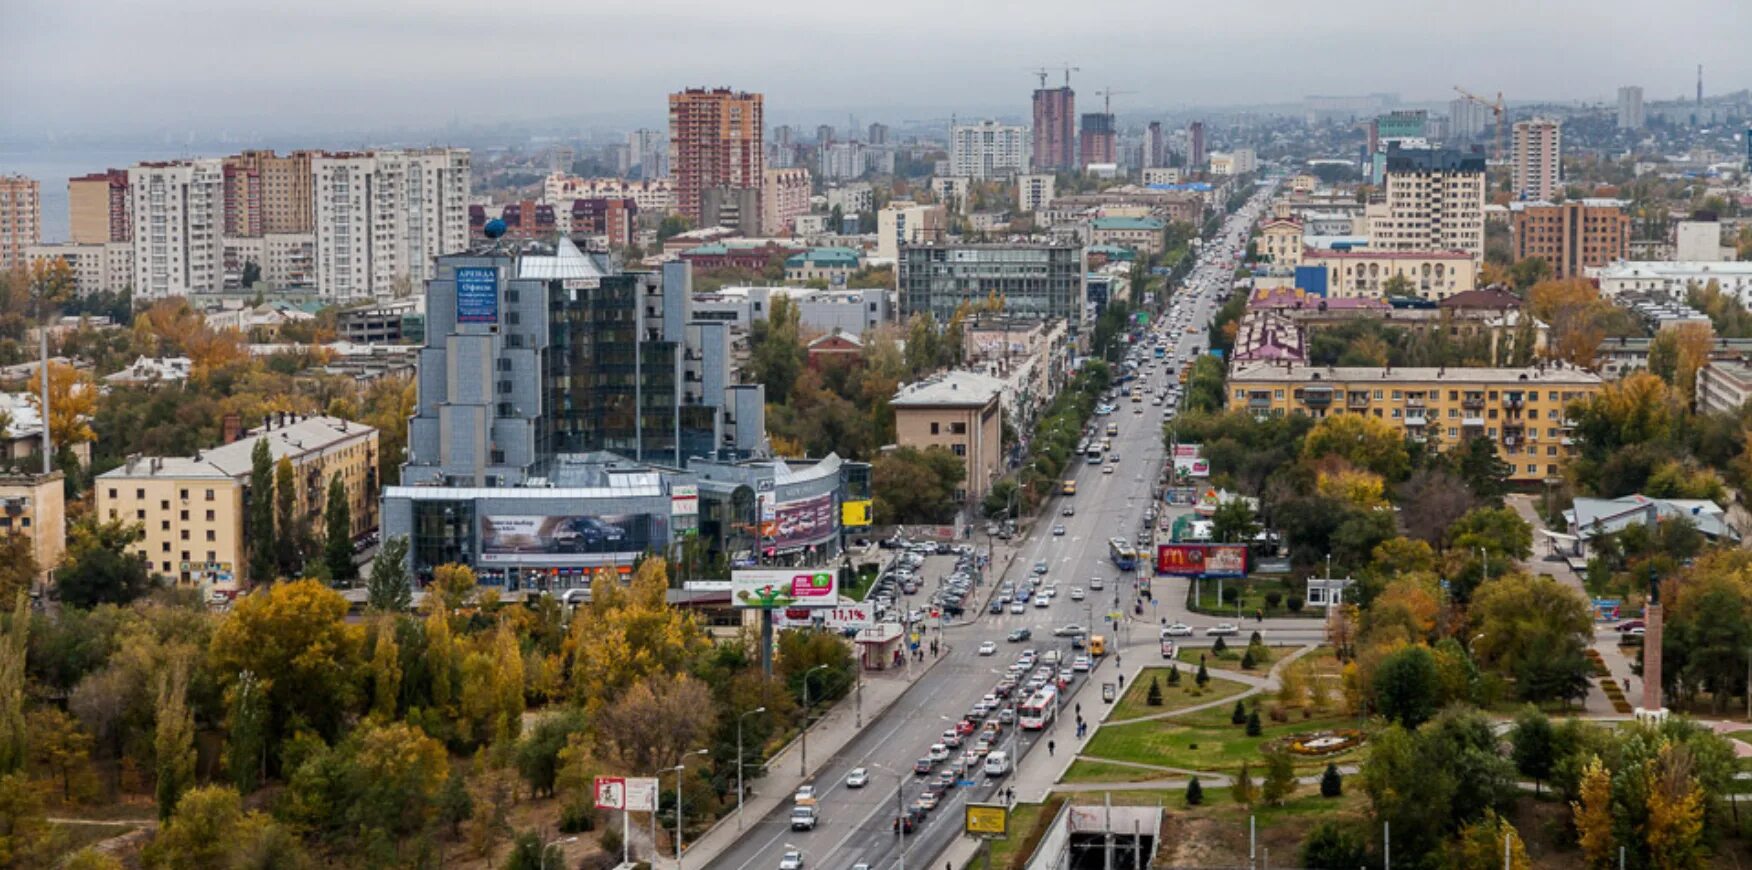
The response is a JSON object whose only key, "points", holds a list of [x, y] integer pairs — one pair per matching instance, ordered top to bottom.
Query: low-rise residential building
{"points": [[1161, 175], [952, 192], [655, 195], [784, 196], [852, 198], [905, 222], [1141, 234], [1700, 241], [738, 254], [833, 265], [96, 268], [1433, 275], [853, 312], [402, 321], [834, 348], [1031, 357], [151, 370], [1724, 386], [1521, 410], [961, 412], [34, 505], [192, 509], [1589, 517]]}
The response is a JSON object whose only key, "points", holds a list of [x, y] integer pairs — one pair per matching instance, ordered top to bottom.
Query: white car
{"points": [[1058, 530], [1096, 583], [1076, 593], [1042, 601], [1018, 606], [1223, 628], [1178, 629], [988, 649], [1080, 663], [939, 752], [858, 778], [805, 795], [793, 860]]}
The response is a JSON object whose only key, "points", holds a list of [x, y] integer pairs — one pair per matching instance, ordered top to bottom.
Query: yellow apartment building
{"points": [[1521, 410], [960, 411], [34, 505], [193, 509]]}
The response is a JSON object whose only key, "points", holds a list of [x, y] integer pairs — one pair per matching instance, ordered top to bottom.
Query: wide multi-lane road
{"points": [[857, 825]]}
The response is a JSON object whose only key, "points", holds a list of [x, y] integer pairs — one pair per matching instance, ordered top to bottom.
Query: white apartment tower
{"points": [[1630, 108], [989, 149], [1538, 159], [1034, 192], [1434, 201], [179, 216], [383, 217]]}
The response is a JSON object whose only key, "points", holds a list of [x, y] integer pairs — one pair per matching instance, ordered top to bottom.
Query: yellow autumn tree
{"points": [[72, 402], [1358, 488], [452, 587], [1404, 612], [627, 634], [386, 671], [1593, 813], [1674, 830]]}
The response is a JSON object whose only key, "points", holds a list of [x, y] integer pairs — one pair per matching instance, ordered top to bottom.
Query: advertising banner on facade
{"points": [[477, 294], [684, 501], [856, 514], [798, 523], [536, 538], [1202, 560], [771, 588]]}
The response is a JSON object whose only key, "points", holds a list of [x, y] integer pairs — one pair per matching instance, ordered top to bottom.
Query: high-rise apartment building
{"points": [[1630, 108], [1466, 119], [1055, 129], [877, 134], [714, 141], [1098, 141], [1195, 145], [1155, 147], [989, 149], [649, 152], [1538, 159], [784, 196], [1433, 201], [284, 203], [98, 211], [21, 216], [384, 217], [179, 218], [904, 222], [1572, 235], [1038, 281]]}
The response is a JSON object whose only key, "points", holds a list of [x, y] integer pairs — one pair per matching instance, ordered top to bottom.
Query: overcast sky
{"points": [[246, 66]]}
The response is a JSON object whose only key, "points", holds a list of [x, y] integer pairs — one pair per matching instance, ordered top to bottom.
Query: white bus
{"points": [[1037, 712]]}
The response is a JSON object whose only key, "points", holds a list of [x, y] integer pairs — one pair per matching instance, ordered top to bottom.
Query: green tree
{"points": [[776, 354], [1368, 443], [1485, 473], [916, 486], [261, 513], [1234, 520], [1498, 531], [338, 533], [288, 547], [100, 569], [388, 589], [1536, 630], [294, 637], [14, 651], [386, 671], [1203, 677], [1407, 686], [1153, 697], [1238, 716], [1253, 724], [246, 732], [174, 743], [1534, 745], [538, 754], [1280, 777], [1331, 784], [1242, 789], [1194, 793], [200, 832], [1334, 846]]}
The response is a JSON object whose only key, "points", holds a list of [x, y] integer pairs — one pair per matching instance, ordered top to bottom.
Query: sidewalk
{"points": [[1596, 703], [827, 736]]}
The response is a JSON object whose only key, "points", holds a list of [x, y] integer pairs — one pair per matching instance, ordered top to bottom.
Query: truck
{"points": [[803, 818]]}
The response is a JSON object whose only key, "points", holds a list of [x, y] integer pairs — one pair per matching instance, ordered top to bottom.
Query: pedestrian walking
{"points": [[1049, 747]]}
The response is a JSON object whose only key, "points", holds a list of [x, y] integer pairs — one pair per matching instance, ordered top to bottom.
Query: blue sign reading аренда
{"points": [[477, 294]]}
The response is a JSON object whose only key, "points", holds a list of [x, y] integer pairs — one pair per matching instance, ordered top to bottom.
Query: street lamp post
{"points": [[803, 756], [739, 762], [679, 768], [899, 808]]}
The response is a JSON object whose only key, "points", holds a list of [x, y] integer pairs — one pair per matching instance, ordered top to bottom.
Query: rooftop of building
{"points": [[1432, 160], [1586, 202], [1126, 223], [1119, 252], [1366, 254], [831, 256], [567, 262], [1660, 268], [1293, 297], [1484, 297], [835, 336], [148, 369], [1277, 373], [954, 389], [293, 437]]}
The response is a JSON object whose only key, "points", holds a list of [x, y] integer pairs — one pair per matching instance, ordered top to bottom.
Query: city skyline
{"points": [[328, 66]]}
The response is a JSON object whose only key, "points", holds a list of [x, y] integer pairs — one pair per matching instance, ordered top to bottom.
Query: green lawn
{"points": [[862, 580], [1230, 660], [1134, 703], [1205, 740], [1084, 770]]}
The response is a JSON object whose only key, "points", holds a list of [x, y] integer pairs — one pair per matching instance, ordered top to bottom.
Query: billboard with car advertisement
{"points": [[1188, 461], [799, 523], [539, 539], [1202, 560], [774, 588]]}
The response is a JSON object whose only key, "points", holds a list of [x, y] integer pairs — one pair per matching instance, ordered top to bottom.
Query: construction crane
{"points": [[1068, 70], [1040, 73], [1107, 99], [1497, 108]]}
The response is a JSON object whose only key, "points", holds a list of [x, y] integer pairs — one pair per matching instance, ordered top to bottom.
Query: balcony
{"points": [[1321, 396], [1357, 401], [1513, 401], [1473, 402], [1259, 403], [1416, 420], [1472, 422], [1514, 423]]}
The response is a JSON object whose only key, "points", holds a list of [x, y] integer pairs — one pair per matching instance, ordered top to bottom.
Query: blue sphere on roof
{"points": [[494, 228]]}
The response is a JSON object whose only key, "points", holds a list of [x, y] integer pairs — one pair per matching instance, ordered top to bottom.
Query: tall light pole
{"points": [[803, 756], [739, 762], [679, 768], [899, 808]]}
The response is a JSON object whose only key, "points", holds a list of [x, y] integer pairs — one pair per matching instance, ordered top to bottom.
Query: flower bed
{"points": [[1319, 744]]}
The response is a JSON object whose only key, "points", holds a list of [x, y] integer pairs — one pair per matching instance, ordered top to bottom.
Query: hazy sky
{"points": [[245, 66]]}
